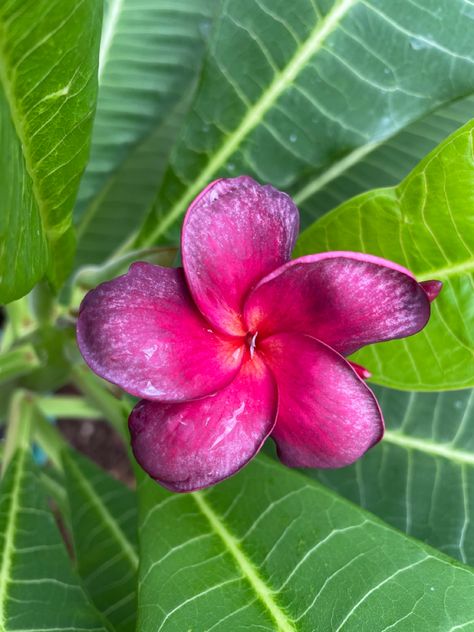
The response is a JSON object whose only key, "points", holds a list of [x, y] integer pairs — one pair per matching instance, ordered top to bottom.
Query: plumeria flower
{"points": [[243, 343]]}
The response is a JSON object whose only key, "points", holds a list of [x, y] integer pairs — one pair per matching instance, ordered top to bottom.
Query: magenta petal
{"points": [[235, 232], [432, 289], [345, 299], [143, 332], [327, 416], [193, 445]]}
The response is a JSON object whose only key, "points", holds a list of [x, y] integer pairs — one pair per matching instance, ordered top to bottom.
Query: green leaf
{"points": [[151, 54], [48, 64], [291, 88], [382, 165], [426, 224], [420, 478], [103, 517], [270, 549], [38, 589]]}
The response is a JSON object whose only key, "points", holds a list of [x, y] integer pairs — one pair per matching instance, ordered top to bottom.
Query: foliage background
{"points": [[111, 120]]}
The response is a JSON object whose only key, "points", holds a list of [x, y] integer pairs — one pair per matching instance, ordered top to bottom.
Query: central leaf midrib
{"points": [[108, 34], [256, 113], [448, 271], [428, 446], [244, 565]]}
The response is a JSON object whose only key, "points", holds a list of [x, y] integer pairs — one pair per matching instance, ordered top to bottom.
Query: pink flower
{"points": [[243, 343]]}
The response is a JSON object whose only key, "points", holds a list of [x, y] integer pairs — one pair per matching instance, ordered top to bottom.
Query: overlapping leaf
{"points": [[150, 56], [48, 63], [290, 88], [380, 165], [426, 224], [421, 477], [103, 519], [270, 550], [38, 589]]}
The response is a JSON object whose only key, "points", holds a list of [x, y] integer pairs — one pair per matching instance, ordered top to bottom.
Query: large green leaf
{"points": [[151, 53], [48, 86], [290, 88], [381, 165], [426, 224], [420, 478], [103, 518], [271, 550], [38, 588]]}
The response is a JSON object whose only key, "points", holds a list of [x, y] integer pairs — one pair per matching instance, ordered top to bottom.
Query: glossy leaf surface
{"points": [[151, 53], [48, 88], [291, 88], [383, 165], [427, 225], [420, 478], [103, 518], [270, 550], [38, 588]]}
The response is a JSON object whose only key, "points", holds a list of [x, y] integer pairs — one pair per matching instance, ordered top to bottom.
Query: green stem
{"points": [[41, 302], [19, 322], [97, 394], [67, 407], [20, 417], [49, 438]]}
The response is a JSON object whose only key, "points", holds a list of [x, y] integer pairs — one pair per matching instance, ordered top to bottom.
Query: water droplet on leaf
{"points": [[418, 44]]}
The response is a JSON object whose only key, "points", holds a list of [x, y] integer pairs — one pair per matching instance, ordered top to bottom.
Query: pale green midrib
{"points": [[108, 33], [256, 113], [343, 165], [335, 170], [54, 232], [447, 271], [428, 447], [109, 520], [8, 546], [246, 567]]}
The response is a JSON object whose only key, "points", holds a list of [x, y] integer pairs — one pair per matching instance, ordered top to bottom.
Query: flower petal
{"points": [[235, 232], [432, 289], [345, 299], [143, 332], [327, 416], [193, 445]]}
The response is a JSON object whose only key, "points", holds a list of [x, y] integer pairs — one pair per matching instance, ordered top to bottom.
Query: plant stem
{"points": [[19, 323], [97, 394], [68, 407], [20, 417], [48, 438]]}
